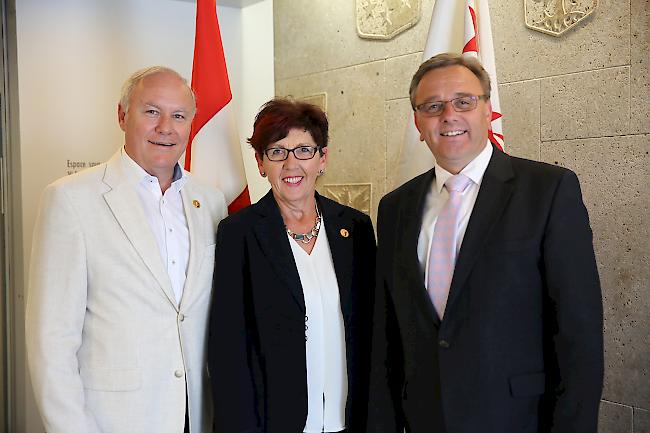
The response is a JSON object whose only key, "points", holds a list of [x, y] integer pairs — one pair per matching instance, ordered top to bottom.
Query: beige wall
{"points": [[581, 101]]}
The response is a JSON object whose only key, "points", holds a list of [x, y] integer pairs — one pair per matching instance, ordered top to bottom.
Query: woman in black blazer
{"points": [[293, 293]]}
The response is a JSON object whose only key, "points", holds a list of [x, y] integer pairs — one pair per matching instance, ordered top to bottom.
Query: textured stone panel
{"points": [[315, 36], [602, 40], [640, 66], [399, 71], [640, 92], [319, 100], [588, 104], [520, 106], [398, 115], [357, 152], [614, 178], [357, 196], [614, 418], [641, 421]]}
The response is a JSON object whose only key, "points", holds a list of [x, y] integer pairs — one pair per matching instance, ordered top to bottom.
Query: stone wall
{"points": [[581, 101]]}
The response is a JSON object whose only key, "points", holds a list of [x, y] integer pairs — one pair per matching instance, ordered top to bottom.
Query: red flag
{"points": [[462, 27], [214, 152]]}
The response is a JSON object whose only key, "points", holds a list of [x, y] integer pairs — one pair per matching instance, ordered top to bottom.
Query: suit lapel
{"points": [[492, 199], [124, 202], [196, 220], [272, 238], [340, 247], [408, 275]]}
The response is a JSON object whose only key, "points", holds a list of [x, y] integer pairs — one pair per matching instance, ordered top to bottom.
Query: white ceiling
{"points": [[232, 3]]}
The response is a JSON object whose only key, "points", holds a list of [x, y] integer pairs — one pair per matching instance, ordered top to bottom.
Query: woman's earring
{"points": [[321, 172], [263, 174]]}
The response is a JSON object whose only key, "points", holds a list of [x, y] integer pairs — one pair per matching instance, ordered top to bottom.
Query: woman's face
{"points": [[293, 181]]}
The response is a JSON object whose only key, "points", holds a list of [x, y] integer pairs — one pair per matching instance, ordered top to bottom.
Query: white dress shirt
{"points": [[438, 196], [166, 217], [327, 380]]}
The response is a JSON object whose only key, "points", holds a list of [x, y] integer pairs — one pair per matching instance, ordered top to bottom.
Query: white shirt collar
{"points": [[474, 170], [140, 175]]}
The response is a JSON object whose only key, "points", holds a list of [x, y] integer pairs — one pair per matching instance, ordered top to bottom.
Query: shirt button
{"points": [[171, 230], [173, 262], [181, 317], [306, 317], [444, 344], [178, 373]]}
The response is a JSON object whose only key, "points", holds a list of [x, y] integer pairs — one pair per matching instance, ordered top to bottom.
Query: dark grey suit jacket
{"points": [[520, 347]]}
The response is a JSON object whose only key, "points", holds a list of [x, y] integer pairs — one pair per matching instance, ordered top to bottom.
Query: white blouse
{"points": [[327, 379]]}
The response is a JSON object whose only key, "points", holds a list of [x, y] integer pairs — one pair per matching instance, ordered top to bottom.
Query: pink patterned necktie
{"points": [[442, 257]]}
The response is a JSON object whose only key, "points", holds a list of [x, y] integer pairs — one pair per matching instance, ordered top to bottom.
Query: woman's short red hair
{"points": [[280, 115]]}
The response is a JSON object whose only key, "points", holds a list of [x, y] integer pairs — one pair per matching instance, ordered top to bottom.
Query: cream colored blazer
{"points": [[108, 348]]}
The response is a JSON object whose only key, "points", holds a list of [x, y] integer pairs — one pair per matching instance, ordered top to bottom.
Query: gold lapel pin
{"points": [[196, 203], [344, 233]]}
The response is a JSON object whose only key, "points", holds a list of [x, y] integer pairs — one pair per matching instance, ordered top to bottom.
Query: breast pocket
{"points": [[105, 379]]}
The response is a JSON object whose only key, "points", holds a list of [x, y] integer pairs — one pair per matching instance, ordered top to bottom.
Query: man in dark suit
{"points": [[489, 311]]}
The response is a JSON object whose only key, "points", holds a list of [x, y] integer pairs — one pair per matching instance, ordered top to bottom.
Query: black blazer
{"points": [[520, 348], [257, 359]]}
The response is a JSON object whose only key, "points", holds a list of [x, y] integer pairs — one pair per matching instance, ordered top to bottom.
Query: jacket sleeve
{"points": [[56, 306], [575, 314], [231, 361], [386, 372]]}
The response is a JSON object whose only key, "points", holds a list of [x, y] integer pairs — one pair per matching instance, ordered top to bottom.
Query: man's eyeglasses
{"points": [[462, 103], [300, 152]]}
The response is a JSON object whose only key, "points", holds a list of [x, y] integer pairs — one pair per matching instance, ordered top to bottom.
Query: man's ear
{"points": [[488, 107], [121, 114], [417, 125]]}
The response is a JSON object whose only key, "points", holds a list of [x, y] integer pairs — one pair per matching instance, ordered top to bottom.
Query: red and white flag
{"points": [[456, 26], [214, 153]]}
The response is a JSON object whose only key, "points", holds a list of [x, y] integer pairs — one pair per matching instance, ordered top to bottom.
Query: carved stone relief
{"points": [[555, 17], [384, 19], [354, 195]]}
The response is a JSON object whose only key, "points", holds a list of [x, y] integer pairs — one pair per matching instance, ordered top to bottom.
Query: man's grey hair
{"points": [[450, 59], [135, 79]]}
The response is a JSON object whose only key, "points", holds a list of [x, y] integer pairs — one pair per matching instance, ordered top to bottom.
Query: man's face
{"points": [[157, 124], [454, 138]]}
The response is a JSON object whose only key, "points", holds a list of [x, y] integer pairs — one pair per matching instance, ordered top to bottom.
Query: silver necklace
{"points": [[305, 238]]}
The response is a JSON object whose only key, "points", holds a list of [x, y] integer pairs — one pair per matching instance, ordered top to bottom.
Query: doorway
{"points": [[6, 236]]}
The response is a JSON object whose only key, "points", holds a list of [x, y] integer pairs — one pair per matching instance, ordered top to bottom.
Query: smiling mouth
{"points": [[453, 133], [159, 143], [294, 180]]}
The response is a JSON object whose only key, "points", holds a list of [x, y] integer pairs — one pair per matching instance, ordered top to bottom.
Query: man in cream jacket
{"points": [[121, 275]]}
